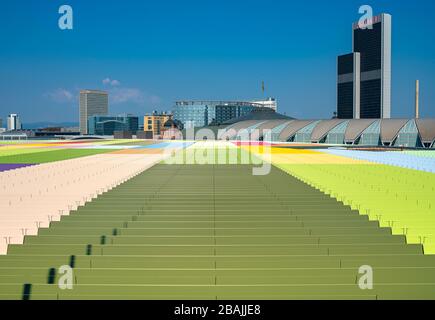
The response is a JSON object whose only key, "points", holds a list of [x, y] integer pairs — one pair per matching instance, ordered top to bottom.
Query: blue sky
{"points": [[155, 52]]}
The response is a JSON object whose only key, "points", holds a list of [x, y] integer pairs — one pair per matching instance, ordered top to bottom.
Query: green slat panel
{"points": [[217, 232]]}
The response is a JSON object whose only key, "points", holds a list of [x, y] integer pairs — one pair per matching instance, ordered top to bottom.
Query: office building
{"points": [[364, 76], [349, 92], [92, 103], [269, 103], [203, 113], [14, 122], [154, 124], [108, 125], [1, 126], [2, 129]]}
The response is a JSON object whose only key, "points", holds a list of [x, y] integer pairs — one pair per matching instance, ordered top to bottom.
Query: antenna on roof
{"points": [[417, 99]]}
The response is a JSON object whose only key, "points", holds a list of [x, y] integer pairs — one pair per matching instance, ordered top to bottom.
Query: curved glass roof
{"points": [[374, 127], [309, 128], [323, 128], [341, 128], [390, 129], [276, 132], [368, 132], [246, 133], [304, 135], [336, 135], [372, 135], [408, 136]]}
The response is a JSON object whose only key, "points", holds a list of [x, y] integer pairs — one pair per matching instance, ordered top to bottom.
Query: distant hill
{"points": [[37, 125]]}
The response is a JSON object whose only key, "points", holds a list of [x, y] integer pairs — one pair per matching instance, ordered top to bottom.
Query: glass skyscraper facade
{"points": [[364, 76], [348, 86], [203, 113], [107, 125]]}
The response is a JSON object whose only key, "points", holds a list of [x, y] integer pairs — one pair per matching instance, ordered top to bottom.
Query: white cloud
{"points": [[113, 83], [60, 95], [120, 95], [123, 95]]}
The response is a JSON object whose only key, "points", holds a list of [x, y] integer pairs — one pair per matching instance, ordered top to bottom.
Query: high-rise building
{"points": [[348, 86], [364, 86], [92, 103], [204, 113], [14, 122]]}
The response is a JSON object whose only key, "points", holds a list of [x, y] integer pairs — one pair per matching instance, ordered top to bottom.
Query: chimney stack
{"points": [[417, 99]]}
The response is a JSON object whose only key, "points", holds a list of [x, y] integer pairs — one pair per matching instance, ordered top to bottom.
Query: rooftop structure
{"points": [[407, 133]]}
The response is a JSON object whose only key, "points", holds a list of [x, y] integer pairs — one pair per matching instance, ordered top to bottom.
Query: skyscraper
{"points": [[364, 86], [92, 103], [348, 105], [14, 122]]}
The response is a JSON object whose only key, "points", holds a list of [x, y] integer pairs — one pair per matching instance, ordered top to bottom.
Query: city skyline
{"points": [[144, 64]]}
